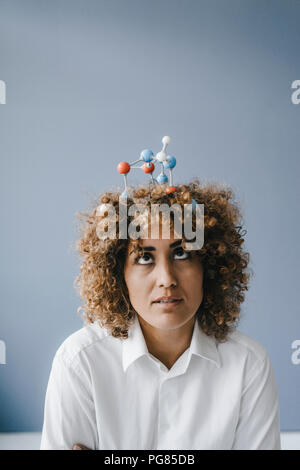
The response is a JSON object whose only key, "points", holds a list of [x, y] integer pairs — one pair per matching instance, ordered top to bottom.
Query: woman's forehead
{"points": [[158, 243]]}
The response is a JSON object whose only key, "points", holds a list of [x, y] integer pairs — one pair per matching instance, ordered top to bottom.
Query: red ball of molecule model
{"points": [[123, 168]]}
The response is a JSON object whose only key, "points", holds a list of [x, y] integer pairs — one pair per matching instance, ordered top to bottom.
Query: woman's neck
{"points": [[167, 345]]}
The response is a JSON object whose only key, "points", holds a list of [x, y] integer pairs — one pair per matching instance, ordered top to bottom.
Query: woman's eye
{"points": [[179, 254], [182, 254], [142, 258]]}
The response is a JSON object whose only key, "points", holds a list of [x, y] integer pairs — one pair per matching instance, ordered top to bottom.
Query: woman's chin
{"points": [[170, 320]]}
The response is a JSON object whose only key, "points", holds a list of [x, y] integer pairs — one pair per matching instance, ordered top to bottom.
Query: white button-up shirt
{"points": [[112, 394]]}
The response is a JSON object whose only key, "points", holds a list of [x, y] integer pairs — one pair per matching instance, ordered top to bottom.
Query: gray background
{"points": [[91, 83]]}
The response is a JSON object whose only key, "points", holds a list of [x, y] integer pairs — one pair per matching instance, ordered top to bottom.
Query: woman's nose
{"points": [[165, 275]]}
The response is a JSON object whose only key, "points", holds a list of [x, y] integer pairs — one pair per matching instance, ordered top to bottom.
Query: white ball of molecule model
{"points": [[166, 140], [161, 156]]}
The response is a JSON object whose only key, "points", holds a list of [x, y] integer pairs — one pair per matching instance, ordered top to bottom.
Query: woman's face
{"points": [[164, 270]]}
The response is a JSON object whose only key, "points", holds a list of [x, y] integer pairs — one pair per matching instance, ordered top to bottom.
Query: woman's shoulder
{"points": [[89, 335], [239, 344]]}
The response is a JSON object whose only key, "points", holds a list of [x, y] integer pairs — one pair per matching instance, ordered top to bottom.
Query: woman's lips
{"points": [[168, 305]]}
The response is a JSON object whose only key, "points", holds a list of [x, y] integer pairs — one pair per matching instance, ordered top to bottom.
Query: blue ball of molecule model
{"points": [[146, 155], [171, 162], [162, 179]]}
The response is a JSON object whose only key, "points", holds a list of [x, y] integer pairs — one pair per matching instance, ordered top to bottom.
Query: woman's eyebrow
{"points": [[152, 248]]}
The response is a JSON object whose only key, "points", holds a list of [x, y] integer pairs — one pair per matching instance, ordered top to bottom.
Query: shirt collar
{"points": [[135, 345], [204, 346]]}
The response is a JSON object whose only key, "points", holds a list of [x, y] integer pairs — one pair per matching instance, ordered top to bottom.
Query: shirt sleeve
{"points": [[69, 413], [258, 426]]}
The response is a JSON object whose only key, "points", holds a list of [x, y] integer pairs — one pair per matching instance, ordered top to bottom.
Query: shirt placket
{"points": [[167, 403]]}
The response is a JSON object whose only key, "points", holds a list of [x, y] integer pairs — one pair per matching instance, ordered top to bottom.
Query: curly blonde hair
{"points": [[101, 281]]}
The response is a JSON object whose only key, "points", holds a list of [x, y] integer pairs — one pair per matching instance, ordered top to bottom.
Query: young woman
{"points": [[159, 363]]}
